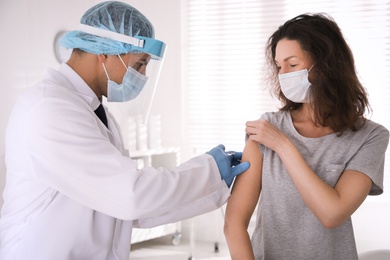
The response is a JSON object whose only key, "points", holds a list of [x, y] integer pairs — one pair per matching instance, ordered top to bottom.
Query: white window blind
{"points": [[224, 57]]}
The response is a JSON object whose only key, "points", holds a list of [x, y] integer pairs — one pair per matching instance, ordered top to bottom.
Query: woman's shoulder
{"points": [[276, 116], [372, 126], [369, 131]]}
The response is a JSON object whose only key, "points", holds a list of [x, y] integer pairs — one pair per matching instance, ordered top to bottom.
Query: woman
{"points": [[314, 161]]}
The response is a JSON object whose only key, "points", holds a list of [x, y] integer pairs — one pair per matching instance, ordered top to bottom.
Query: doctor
{"points": [[72, 191]]}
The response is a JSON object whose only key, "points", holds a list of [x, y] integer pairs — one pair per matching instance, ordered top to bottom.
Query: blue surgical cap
{"points": [[112, 16]]}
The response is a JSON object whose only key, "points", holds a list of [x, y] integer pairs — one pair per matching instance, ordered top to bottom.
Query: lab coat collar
{"points": [[80, 85]]}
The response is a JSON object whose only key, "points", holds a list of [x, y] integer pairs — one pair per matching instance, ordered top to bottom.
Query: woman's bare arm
{"points": [[242, 202]]}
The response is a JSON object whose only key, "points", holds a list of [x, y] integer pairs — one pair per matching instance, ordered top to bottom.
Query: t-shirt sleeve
{"points": [[265, 116], [370, 158]]}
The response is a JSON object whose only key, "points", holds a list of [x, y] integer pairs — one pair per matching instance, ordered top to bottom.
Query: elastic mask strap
{"points": [[122, 61], [104, 67], [310, 68]]}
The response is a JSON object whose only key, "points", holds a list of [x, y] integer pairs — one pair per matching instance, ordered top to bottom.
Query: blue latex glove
{"points": [[229, 163]]}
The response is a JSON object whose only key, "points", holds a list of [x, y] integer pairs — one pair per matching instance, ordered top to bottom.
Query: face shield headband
{"points": [[150, 46]]}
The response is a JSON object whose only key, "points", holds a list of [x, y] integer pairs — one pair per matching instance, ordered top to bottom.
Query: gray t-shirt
{"points": [[285, 227]]}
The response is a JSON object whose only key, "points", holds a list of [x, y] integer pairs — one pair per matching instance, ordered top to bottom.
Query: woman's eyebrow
{"points": [[288, 58]]}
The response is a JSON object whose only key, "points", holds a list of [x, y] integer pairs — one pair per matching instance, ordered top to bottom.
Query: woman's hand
{"points": [[263, 132]]}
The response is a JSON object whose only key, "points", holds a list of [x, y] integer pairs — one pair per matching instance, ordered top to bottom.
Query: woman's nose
{"points": [[282, 71]]}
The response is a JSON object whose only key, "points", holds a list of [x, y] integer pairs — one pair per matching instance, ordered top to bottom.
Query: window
{"points": [[224, 58]]}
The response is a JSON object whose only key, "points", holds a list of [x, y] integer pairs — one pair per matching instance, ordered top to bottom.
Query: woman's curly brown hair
{"points": [[338, 98]]}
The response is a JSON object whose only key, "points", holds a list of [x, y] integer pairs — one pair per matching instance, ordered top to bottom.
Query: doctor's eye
{"points": [[140, 66]]}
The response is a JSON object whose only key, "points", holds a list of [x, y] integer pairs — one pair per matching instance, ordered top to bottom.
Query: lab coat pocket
{"points": [[331, 173]]}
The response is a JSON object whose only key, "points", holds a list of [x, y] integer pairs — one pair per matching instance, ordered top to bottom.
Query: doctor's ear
{"points": [[102, 58]]}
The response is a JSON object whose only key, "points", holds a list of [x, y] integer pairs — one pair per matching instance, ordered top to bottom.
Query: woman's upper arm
{"points": [[247, 186]]}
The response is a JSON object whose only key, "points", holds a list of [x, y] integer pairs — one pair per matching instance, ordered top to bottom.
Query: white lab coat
{"points": [[73, 193]]}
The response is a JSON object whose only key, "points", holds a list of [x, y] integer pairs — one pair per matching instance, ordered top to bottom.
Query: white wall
{"points": [[371, 225]]}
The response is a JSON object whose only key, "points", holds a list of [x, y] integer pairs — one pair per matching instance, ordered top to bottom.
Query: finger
{"points": [[250, 123], [254, 123], [250, 130], [252, 138], [221, 146], [242, 167]]}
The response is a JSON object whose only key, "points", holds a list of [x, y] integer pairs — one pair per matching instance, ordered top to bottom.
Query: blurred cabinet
{"points": [[161, 157]]}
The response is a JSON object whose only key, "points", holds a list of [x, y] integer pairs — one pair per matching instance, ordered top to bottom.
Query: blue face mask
{"points": [[132, 84]]}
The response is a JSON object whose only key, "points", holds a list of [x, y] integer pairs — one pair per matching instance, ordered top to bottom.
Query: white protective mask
{"points": [[132, 84], [295, 85]]}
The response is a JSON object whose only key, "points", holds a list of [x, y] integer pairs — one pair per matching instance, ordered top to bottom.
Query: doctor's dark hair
{"points": [[339, 100]]}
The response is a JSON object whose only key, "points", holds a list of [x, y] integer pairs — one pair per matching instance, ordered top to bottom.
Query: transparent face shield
{"points": [[146, 58], [140, 106]]}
